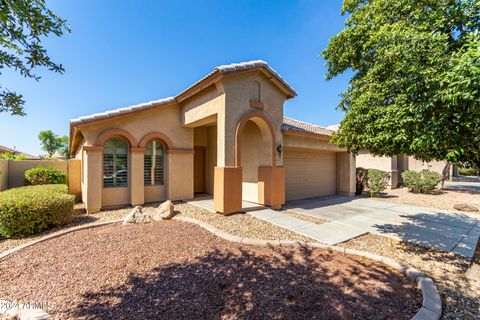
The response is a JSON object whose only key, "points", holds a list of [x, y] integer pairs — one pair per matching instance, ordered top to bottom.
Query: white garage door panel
{"points": [[309, 174]]}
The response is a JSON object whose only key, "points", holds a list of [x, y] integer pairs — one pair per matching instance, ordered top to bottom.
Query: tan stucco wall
{"points": [[238, 92], [203, 107], [165, 120], [302, 142], [256, 152], [211, 158], [366, 160], [389, 164], [418, 165], [345, 173], [3, 174], [16, 174], [180, 176], [74, 178], [155, 193], [112, 197]]}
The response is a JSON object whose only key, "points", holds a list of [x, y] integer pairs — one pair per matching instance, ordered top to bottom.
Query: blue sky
{"points": [[125, 52]]}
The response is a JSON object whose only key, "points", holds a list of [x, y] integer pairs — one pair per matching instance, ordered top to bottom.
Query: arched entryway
{"points": [[255, 152], [262, 181]]}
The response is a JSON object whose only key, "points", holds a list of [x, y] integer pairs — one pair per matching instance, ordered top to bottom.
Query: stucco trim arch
{"points": [[262, 122], [111, 133], [156, 135]]}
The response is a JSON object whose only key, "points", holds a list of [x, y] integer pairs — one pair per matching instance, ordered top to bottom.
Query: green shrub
{"points": [[468, 171], [40, 175], [362, 175], [377, 181], [424, 181], [28, 210]]}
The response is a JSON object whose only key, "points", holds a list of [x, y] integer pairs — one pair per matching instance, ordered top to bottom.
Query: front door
{"points": [[198, 170]]}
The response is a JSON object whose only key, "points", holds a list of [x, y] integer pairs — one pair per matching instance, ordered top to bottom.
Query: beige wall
{"points": [[238, 93], [389, 164], [419, 165], [12, 173], [3, 174], [16, 174], [346, 175]]}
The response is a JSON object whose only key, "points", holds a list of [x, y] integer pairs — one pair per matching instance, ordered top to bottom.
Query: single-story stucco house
{"points": [[224, 135]]}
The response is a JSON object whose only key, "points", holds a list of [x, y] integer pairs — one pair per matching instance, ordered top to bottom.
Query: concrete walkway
{"points": [[350, 217], [440, 229]]}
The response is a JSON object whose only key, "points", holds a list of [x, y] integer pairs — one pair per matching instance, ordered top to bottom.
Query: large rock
{"points": [[465, 207], [164, 211], [137, 216]]}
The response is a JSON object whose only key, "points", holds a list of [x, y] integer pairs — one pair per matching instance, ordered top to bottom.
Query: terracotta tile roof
{"points": [[224, 69], [300, 126]]}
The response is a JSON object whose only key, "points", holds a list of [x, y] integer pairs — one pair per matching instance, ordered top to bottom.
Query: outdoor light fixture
{"points": [[279, 149]]}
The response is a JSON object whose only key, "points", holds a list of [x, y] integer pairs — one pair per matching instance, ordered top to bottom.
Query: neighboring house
{"points": [[225, 135], [16, 152], [396, 165]]}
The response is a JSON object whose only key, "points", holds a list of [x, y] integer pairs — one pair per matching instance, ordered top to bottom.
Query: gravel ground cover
{"points": [[444, 199], [304, 217], [241, 224], [175, 270], [460, 296]]}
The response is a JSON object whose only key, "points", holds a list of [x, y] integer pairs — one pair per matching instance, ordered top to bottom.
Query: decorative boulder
{"points": [[465, 207], [164, 211], [137, 216]]}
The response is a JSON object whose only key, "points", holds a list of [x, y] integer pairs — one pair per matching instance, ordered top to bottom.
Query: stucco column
{"points": [[346, 173], [180, 174], [136, 176], [93, 184], [271, 186], [227, 189]]}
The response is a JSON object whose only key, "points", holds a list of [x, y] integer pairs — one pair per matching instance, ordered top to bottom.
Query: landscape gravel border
{"points": [[431, 305]]}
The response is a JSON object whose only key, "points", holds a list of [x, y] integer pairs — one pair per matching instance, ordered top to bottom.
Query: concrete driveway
{"points": [[429, 227]]}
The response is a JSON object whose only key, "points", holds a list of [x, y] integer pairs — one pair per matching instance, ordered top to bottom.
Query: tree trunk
{"points": [[474, 271]]}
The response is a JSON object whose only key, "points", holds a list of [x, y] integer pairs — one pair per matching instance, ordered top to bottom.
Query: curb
{"points": [[431, 305], [39, 314]]}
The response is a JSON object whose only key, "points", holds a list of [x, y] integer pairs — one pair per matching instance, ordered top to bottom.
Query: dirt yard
{"points": [[176, 270]]}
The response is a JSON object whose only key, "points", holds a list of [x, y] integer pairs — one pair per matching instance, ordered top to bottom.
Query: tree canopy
{"points": [[24, 24], [416, 75], [51, 142]]}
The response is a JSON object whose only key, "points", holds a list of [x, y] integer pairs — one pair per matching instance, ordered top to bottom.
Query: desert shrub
{"points": [[468, 171], [40, 175], [361, 180], [377, 181], [424, 181], [31, 209]]}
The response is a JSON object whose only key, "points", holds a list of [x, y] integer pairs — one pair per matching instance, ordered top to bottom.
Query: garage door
{"points": [[309, 174]]}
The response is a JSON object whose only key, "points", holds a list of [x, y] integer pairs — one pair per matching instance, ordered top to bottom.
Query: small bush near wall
{"points": [[468, 171], [40, 175], [362, 175], [377, 181], [424, 182], [28, 210]]}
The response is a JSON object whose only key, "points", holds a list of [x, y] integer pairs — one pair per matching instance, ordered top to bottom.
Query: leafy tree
{"points": [[23, 25], [415, 87], [50, 141], [63, 150]]}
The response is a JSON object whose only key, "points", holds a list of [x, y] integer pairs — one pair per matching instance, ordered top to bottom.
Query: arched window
{"points": [[115, 163], [153, 163]]}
